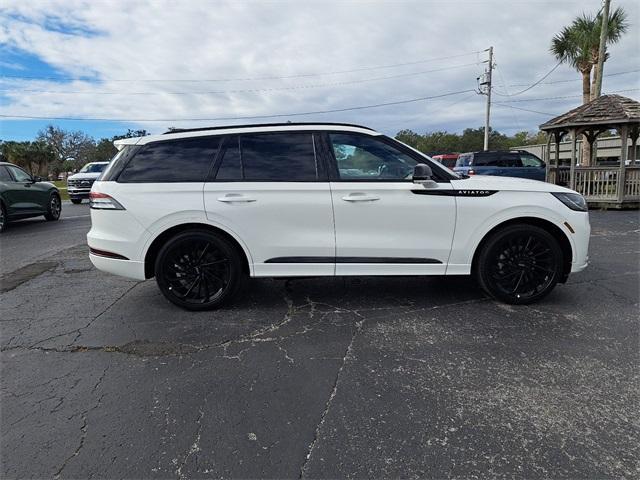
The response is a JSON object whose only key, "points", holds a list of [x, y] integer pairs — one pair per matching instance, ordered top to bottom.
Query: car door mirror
{"points": [[422, 174], [36, 179]]}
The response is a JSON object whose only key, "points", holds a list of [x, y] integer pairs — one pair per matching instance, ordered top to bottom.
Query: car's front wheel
{"points": [[54, 207], [519, 264], [198, 270]]}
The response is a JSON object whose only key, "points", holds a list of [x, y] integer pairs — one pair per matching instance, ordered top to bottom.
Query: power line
{"points": [[243, 79], [574, 79], [532, 85], [250, 90], [563, 97], [526, 110], [253, 117]]}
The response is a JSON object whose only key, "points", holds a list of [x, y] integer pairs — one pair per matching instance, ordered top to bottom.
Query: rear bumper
{"points": [[124, 268]]}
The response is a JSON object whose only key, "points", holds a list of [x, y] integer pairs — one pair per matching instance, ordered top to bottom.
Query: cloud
{"points": [[137, 60]]}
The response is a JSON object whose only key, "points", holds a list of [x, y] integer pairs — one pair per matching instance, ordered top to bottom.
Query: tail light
{"points": [[102, 201]]}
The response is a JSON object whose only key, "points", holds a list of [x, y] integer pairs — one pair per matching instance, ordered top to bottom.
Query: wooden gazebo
{"points": [[615, 186]]}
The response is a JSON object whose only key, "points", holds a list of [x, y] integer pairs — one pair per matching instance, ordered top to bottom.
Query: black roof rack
{"points": [[253, 125]]}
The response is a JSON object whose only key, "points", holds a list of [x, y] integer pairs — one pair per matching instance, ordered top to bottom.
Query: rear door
{"points": [[509, 164], [272, 191], [385, 224]]}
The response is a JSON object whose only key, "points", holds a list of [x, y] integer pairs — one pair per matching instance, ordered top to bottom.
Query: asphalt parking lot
{"points": [[321, 378]]}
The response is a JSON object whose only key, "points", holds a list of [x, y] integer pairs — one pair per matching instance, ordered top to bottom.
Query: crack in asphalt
{"points": [[358, 328], [84, 426]]}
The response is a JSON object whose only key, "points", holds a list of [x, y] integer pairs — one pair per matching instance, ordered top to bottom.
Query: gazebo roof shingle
{"points": [[606, 109]]}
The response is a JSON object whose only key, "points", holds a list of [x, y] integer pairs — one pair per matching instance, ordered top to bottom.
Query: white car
{"points": [[79, 184], [199, 209]]}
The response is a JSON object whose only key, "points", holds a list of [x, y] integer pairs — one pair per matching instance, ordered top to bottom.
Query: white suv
{"points": [[200, 209]]}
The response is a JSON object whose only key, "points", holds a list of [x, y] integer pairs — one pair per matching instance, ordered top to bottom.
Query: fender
{"points": [[466, 242]]}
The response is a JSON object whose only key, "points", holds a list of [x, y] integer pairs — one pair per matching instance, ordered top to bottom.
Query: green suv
{"points": [[24, 196]]}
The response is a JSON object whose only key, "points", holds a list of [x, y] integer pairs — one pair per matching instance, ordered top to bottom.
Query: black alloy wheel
{"points": [[54, 207], [3, 218], [520, 264], [198, 270]]}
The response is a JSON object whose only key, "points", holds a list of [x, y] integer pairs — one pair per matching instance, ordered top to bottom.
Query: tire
{"points": [[76, 201], [54, 207], [4, 220], [519, 264], [198, 270]]}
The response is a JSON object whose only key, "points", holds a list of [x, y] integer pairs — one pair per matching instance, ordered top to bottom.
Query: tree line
{"points": [[470, 140], [56, 150]]}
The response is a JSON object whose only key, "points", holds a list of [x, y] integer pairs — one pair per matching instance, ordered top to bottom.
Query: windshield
{"points": [[93, 168]]}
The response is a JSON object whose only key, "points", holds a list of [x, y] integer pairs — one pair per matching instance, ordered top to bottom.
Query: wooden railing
{"points": [[599, 184], [632, 184]]}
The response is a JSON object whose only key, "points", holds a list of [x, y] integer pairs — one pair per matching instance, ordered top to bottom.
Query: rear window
{"points": [[269, 157], [464, 160], [172, 161], [117, 163]]}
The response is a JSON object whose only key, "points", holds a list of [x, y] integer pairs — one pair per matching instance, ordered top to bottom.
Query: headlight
{"points": [[574, 201]]}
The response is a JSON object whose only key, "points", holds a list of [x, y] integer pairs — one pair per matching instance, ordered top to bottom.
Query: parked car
{"points": [[446, 159], [510, 163], [79, 184], [24, 196], [201, 209]]}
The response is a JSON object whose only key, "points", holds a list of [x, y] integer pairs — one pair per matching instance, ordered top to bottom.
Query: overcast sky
{"points": [[131, 62]]}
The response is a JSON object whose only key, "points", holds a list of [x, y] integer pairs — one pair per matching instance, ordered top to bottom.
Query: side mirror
{"points": [[422, 175], [37, 179]]}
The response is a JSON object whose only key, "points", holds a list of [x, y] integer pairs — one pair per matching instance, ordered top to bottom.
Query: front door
{"points": [[272, 191], [24, 196], [385, 224]]}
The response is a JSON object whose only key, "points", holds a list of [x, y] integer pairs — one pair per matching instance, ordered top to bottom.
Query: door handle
{"points": [[360, 197], [236, 198]]}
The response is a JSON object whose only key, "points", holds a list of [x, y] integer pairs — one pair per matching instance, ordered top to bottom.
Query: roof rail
{"points": [[254, 125]]}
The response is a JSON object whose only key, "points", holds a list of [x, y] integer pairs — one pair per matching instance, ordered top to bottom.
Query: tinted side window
{"points": [[288, 157], [361, 157], [186, 160], [485, 160], [510, 160], [529, 160], [230, 167], [4, 174], [19, 174]]}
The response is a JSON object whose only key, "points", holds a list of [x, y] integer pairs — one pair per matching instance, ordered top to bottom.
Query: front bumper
{"points": [[77, 193]]}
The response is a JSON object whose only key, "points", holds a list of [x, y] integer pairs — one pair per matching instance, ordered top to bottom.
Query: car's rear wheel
{"points": [[76, 201], [54, 207], [3, 218], [519, 264], [198, 270]]}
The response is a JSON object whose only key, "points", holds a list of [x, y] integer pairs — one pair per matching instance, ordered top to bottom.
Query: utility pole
{"points": [[601, 50], [487, 81]]}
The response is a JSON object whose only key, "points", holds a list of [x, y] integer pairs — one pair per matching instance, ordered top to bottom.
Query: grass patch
{"points": [[62, 186]]}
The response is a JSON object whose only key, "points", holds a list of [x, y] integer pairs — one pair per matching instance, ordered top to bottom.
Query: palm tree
{"points": [[578, 44]]}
